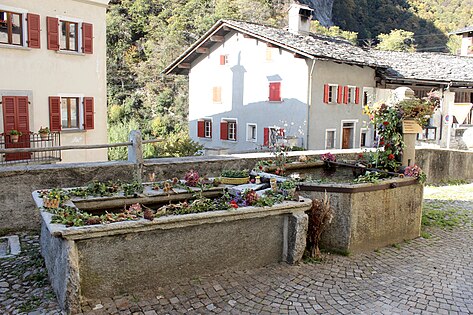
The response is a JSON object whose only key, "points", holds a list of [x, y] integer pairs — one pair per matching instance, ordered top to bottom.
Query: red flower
{"points": [[386, 123], [381, 143], [391, 156], [260, 167], [233, 204]]}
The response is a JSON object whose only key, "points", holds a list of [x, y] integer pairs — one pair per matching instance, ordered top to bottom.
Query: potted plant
{"points": [[44, 133], [14, 135], [234, 177], [289, 186], [52, 198]]}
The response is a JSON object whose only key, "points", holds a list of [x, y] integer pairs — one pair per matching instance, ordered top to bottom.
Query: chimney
{"points": [[299, 18], [467, 41]]}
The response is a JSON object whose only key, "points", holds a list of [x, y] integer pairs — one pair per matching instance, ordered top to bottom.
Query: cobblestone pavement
{"points": [[431, 275]]}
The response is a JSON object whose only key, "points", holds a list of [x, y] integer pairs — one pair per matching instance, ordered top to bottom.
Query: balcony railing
{"points": [[30, 141]]}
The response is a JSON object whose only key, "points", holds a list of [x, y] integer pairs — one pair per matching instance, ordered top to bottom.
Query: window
{"points": [[11, 28], [67, 34], [68, 37], [269, 54], [223, 59], [275, 91], [217, 94], [331, 94], [350, 97], [365, 98], [70, 112], [204, 128], [228, 130], [251, 132], [272, 135], [363, 138], [330, 139]]}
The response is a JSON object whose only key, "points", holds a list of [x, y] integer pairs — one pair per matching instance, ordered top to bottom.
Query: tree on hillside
{"points": [[333, 31], [397, 40]]}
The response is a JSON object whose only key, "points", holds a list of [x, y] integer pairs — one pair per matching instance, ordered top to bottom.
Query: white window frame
{"points": [[24, 30], [79, 35], [351, 94], [334, 95], [81, 109], [228, 121], [344, 121], [208, 128], [366, 131], [248, 133], [334, 138]]}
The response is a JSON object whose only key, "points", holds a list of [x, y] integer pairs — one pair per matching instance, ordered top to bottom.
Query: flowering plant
{"points": [[420, 109], [328, 157], [416, 172], [192, 178]]}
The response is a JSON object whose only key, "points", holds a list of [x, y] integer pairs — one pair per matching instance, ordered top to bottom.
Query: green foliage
{"points": [[429, 20], [333, 31], [397, 40], [175, 145], [234, 173], [368, 177], [442, 215]]}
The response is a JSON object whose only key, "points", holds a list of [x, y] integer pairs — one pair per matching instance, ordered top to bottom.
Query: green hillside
{"points": [[429, 20]]}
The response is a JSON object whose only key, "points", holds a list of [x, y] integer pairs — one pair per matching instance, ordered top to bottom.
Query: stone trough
{"points": [[369, 216], [106, 260]]}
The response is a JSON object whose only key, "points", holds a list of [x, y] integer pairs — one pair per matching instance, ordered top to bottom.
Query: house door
{"points": [[16, 117], [346, 138]]}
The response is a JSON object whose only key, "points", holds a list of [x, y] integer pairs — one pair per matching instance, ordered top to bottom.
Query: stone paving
{"points": [[431, 275]]}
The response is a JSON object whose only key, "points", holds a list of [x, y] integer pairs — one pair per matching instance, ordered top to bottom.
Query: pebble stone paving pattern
{"points": [[431, 275]]}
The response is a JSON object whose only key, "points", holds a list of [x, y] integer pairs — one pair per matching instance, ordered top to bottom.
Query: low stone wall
{"points": [[443, 165], [370, 216], [107, 260]]}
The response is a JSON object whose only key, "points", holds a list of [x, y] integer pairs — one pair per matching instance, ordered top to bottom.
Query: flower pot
{"points": [[44, 136], [14, 138], [234, 180], [50, 203]]}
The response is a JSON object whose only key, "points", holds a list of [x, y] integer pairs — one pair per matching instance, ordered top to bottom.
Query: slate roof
{"points": [[463, 30], [315, 45], [425, 66], [432, 67]]}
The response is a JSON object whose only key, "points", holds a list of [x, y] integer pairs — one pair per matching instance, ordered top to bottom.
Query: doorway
{"points": [[16, 117], [347, 135]]}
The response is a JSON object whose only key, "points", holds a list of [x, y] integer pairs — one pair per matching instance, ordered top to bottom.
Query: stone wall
{"points": [[442, 165]]}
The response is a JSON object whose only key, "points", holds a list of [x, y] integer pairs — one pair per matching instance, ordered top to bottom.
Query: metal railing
{"points": [[32, 148]]}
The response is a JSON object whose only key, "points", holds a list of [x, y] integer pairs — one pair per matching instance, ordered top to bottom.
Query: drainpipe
{"points": [[309, 101]]}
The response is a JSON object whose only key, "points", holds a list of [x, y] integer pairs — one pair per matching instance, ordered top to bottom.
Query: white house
{"points": [[53, 61], [251, 84]]}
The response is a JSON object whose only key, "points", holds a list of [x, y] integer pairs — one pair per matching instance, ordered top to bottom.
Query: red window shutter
{"points": [[34, 30], [53, 33], [87, 38], [222, 60], [275, 91], [326, 93], [340, 95], [345, 95], [357, 95], [8, 103], [55, 113], [88, 113], [22, 114], [201, 129], [224, 130], [282, 132], [266, 137]]}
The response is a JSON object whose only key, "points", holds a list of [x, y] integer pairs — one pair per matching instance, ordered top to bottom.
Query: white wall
{"points": [[43, 73], [245, 90], [331, 116]]}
